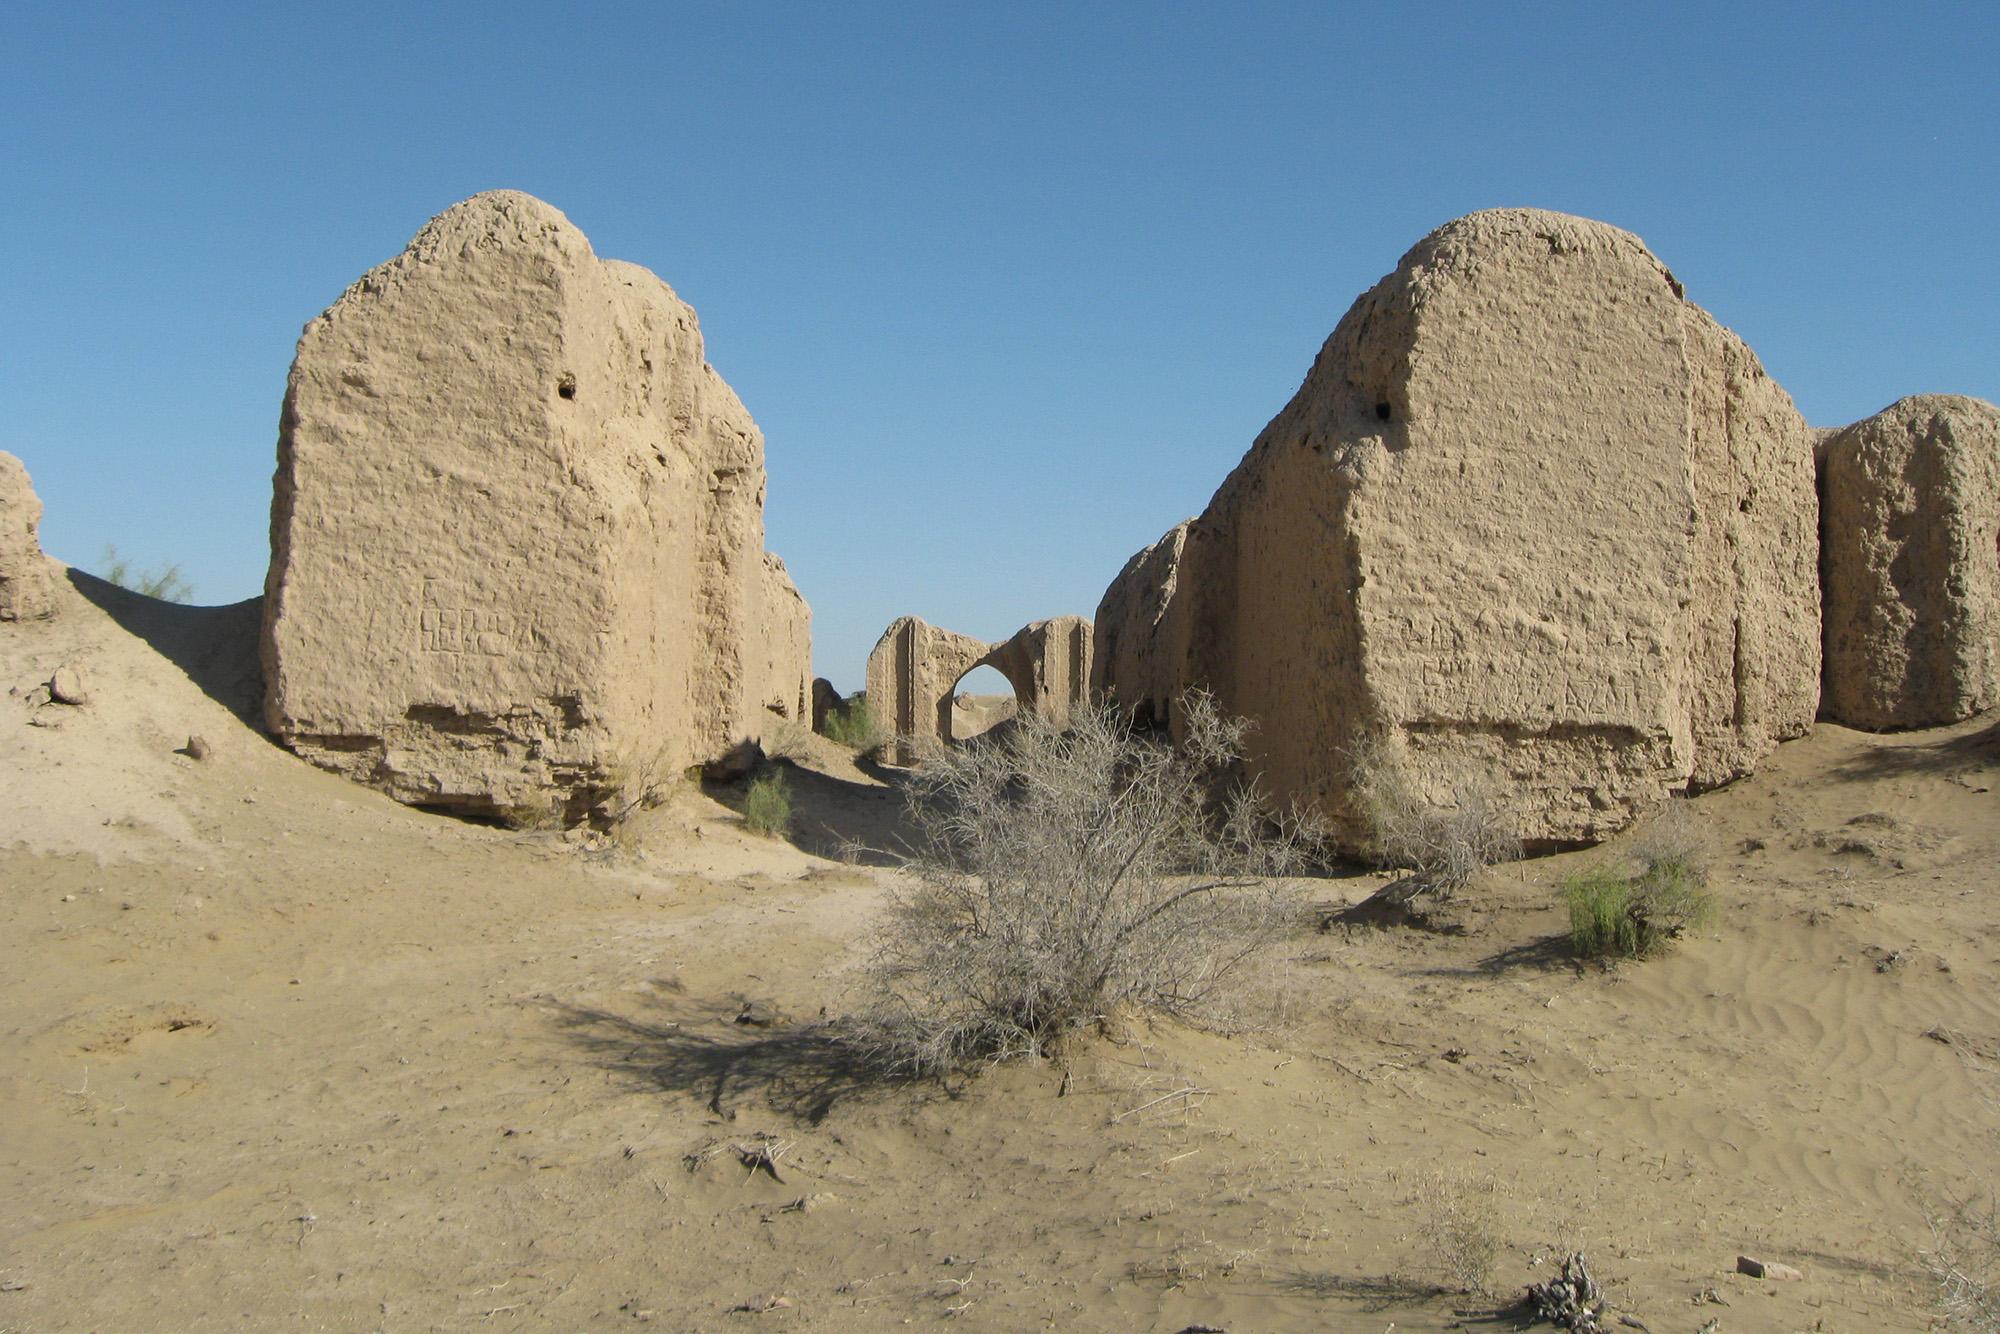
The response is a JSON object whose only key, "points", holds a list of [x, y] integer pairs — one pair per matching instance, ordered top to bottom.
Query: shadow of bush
{"points": [[802, 1070]]}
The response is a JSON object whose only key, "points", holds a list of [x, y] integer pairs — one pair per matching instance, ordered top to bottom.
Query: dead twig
{"points": [[1188, 1092], [763, 1154]]}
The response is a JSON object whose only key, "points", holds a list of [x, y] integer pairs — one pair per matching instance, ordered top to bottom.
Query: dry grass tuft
{"points": [[1443, 846], [1460, 1226]]}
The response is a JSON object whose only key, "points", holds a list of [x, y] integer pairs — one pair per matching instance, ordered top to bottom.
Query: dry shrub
{"points": [[537, 813], [1673, 838], [1443, 846], [1061, 875], [1460, 1225], [1963, 1259]]}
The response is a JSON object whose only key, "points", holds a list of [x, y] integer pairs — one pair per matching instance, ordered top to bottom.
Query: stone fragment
{"points": [[1533, 512], [517, 530], [1912, 585], [27, 591], [915, 669], [67, 686], [197, 748], [1770, 1269]]}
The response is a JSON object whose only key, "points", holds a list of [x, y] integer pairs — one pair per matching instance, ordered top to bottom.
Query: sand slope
{"points": [[283, 1053]]}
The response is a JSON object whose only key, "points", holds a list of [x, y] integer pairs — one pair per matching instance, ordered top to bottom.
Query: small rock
{"points": [[67, 687], [196, 748], [759, 1014], [805, 1204], [1770, 1269], [762, 1302]]}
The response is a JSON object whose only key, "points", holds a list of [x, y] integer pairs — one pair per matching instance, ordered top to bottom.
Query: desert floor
{"points": [[281, 1053]]}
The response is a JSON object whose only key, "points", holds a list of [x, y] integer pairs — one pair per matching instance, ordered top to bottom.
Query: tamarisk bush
{"points": [[1065, 873]]}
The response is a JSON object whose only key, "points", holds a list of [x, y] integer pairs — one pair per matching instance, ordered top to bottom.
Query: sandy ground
{"points": [[975, 715], [281, 1053]]}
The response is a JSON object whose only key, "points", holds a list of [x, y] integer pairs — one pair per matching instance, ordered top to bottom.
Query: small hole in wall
{"points": [[566, 387], [1382, 411]]}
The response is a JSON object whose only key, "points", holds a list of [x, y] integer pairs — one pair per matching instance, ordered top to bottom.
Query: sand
{"points": [[284, 1053]]}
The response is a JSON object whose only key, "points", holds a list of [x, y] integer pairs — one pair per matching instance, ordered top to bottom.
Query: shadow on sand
{"points": [[216, 646], [1900, 755], [834, 817], [1547, 955], [803, 1070], [1375, 1295]]}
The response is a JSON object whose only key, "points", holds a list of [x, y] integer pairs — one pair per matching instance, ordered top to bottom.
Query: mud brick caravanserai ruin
{"points": [[916, 667]]}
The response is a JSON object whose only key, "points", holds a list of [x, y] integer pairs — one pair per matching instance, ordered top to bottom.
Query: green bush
{"points": [[167, 585], [853, 724], [767, 807], [1616, 916]]}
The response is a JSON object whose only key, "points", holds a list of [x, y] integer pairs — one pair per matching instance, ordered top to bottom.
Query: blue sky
{"points": [[1008, 288]]}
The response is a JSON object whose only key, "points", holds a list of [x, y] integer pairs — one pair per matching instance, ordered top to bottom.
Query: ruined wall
{"points": [[1503, 517], [517, 530], [1912, 578], [26, 593], [1140, 648], [1755, 653], [1048, 663], [915, 666]]}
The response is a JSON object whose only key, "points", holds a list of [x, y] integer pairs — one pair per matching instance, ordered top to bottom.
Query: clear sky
{"points": [[1009, 288]]}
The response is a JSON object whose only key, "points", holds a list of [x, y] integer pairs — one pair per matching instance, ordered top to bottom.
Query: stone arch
{"points": [[916, 666]]}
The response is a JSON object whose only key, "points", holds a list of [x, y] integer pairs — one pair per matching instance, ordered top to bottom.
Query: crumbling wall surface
{"points": [[1497, 521], [517, 527], [1912, 580], [26, 593], [1140, 634], [784, 647], [1754, 662], [1049, 664], [825, 699]]}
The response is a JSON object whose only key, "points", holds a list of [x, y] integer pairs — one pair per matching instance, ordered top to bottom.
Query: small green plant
{"points": [[167, 585], [853, 724], [767, 807], [1615, 915]]}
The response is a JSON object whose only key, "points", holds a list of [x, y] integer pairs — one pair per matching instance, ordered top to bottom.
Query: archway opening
{"points": [[981, 700]]}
